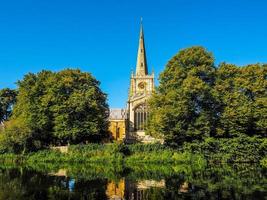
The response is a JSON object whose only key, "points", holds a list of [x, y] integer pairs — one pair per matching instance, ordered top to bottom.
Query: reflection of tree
{"points": [[180, 182], [215, 182], [218, 182], [29, 185], [10, 186]]}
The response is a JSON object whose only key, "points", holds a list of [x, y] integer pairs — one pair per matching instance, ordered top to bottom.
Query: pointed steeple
{"points": [[141, 65]]}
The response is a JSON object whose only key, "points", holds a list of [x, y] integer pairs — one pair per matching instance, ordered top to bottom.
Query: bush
{"points": [[17, 138], [156, 147], [241, 149]]}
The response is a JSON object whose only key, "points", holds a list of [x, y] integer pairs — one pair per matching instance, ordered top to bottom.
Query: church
{"points": [[129, 124]]}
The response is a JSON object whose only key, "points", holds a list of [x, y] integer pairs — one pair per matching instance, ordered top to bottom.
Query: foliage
{"points": [[195, 100], [243, 100], [60, 108], [182, 109], [17, 137], [153, 147], [239, 149], [211, 150], [97, 153], [111, 153], [11, 158], [263, 162]]}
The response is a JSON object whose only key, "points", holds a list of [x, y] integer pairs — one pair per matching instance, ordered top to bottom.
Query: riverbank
{"points": [[237, 150], [106, 153]]}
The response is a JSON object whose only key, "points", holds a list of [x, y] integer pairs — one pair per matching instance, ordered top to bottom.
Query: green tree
{"points": [[243, 98], [195, 100], [7, 101], [61, 107], [183, 108], [17, 137]]}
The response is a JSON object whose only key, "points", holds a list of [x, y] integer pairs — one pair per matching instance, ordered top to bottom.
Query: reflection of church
{"points": [[129, 124], [125, 189]]}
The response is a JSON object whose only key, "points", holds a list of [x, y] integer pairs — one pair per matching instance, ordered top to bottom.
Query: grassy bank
{"points": [[238, 150], [118, 154], [109, 160]]}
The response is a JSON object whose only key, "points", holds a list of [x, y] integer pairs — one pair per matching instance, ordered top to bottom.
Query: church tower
{"points": [[141, 88]]}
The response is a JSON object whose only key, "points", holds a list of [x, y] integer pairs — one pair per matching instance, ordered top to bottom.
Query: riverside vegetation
{"points": [[203, 112], [210, 151], [87, 171]]}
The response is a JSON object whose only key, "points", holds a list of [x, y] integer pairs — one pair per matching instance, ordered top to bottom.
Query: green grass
{"points": [[209, 150], [112, 153], [104, 154]]}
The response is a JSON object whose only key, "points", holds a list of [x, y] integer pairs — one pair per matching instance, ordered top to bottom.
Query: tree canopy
{"points": [[242, 92], [196, 100], [58, 108]]}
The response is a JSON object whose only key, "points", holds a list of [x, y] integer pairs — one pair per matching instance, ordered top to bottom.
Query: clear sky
{"points": [[101, 36]]}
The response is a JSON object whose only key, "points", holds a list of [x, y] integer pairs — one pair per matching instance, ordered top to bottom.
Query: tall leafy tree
{"points": [[196, 100], [183, 107], [60, 108]]}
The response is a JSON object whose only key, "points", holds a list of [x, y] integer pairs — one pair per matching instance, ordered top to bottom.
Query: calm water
{"points": [[144, 182]]}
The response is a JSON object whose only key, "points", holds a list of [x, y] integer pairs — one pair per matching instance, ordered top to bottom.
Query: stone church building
{"points": [[129, 124]]}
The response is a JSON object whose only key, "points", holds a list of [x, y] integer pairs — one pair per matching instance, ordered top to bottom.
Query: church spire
{"points": [[141, 65]]}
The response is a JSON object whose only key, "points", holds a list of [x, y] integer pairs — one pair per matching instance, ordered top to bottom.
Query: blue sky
{"points": [[101, 36]]}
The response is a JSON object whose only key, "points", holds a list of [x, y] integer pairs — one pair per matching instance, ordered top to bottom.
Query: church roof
{"points": [[117, 114]]}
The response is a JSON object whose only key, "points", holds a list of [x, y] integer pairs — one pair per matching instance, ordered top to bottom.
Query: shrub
{"points": [[17, 138], [241, 149]]}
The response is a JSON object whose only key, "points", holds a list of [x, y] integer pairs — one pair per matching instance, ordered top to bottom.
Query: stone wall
{"points": [[117, 129]]}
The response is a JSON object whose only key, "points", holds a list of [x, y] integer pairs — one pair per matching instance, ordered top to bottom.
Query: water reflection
{"points": [[215, 182], [127, 189], [116, 190]]}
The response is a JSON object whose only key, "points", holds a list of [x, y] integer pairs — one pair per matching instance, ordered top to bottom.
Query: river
{"points": [[138, 183]]}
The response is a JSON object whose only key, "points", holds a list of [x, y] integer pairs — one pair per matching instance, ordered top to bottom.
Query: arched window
{"points": [[140, 117]]}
